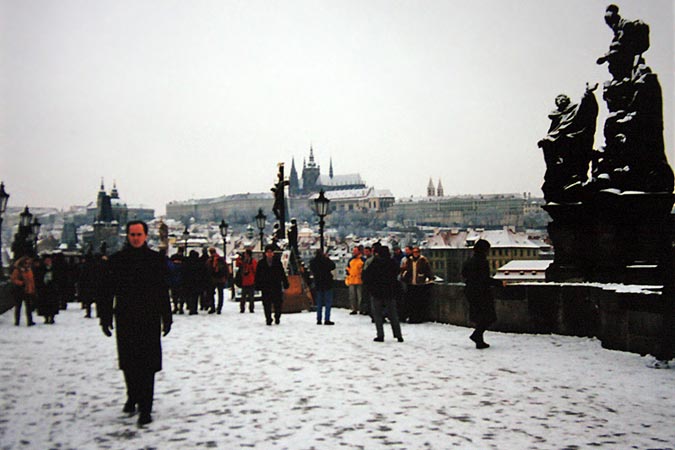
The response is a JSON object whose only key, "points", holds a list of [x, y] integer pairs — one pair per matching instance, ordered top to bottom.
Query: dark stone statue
{"points": [[568, 146], [633, 158], [279, 206], [615, 226]]}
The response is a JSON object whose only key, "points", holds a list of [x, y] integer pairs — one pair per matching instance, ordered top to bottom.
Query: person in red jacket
{"points": [[247, 267], [24, 289]]}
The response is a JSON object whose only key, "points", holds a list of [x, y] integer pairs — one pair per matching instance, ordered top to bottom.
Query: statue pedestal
{"points": [[611, 237]]}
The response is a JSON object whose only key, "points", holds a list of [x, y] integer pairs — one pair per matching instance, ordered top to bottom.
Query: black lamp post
{"points": [[4, 196], [321, 207], [24, 219], [260, 221], [35, 230], [223, 232], [186, 236], [23, 242]]}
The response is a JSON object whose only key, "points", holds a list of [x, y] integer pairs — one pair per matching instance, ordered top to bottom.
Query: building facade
{"points": [[232, 207], [463, 211], [447, 251]]}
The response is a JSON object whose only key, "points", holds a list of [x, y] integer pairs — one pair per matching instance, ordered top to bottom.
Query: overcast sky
{"points": [[177, 100]]}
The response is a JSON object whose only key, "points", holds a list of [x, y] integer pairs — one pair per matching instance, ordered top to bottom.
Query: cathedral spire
{"points": [[311, 155], [330, 169], [293, 182], [439, 189], [431, 190], [114, 193]]}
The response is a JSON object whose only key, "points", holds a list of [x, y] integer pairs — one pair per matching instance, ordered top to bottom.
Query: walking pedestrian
{"points": [[246, 268], [322, 268], [476, 273], [219, 274], [270, 278], [193, 280], [354, 280], [380, 280], [138, 281], [177, 281], [23, 285], [47, 295]]}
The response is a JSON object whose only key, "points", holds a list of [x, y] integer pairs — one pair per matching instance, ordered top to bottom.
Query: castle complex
{"points": [[311, 181]]}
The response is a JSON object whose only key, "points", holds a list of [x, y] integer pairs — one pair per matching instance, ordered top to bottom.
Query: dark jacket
{"points": [[322, 267], [424, 272], [476, 272], [380, 277], [271, 278], [138, 281], [47, 295]]}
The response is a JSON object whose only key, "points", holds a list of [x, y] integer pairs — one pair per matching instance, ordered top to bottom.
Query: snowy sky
{"points": [[178, 100]]}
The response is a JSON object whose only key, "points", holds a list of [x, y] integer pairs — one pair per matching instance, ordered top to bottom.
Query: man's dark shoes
{"points": [[318, 322], [328, 322], [379, 339], [400, 339], [480, 343], [129, 407], [144, 419]]}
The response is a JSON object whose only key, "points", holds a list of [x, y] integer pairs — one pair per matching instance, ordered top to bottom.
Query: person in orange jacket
{"points": [[23, 280], [354, 280]]}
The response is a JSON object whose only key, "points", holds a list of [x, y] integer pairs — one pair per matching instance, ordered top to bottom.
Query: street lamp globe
{"points": [[321, 204], [25, 217], [260, 219], [35, 227], [223, 228]]}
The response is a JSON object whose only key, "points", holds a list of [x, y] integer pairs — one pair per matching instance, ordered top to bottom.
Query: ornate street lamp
{"points": [[4, 196], [321, 208], [24, 218], [260, 221], [35, 230], [223, 232], [186, 236]]}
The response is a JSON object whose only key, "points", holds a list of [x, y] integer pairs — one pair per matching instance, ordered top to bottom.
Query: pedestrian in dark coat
{"points": [[322, 268], [476, 272], [418, 276], [270, 279], [138, 281], [193, 281], [381, 281], [47, 296]]}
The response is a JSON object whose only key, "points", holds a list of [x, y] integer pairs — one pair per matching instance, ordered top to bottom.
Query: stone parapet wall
{"points": [[621, 318]]}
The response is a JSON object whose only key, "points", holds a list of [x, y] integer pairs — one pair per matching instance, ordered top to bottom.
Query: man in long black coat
{"points": [[476, 272], [270, 278], [137, 281]]}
